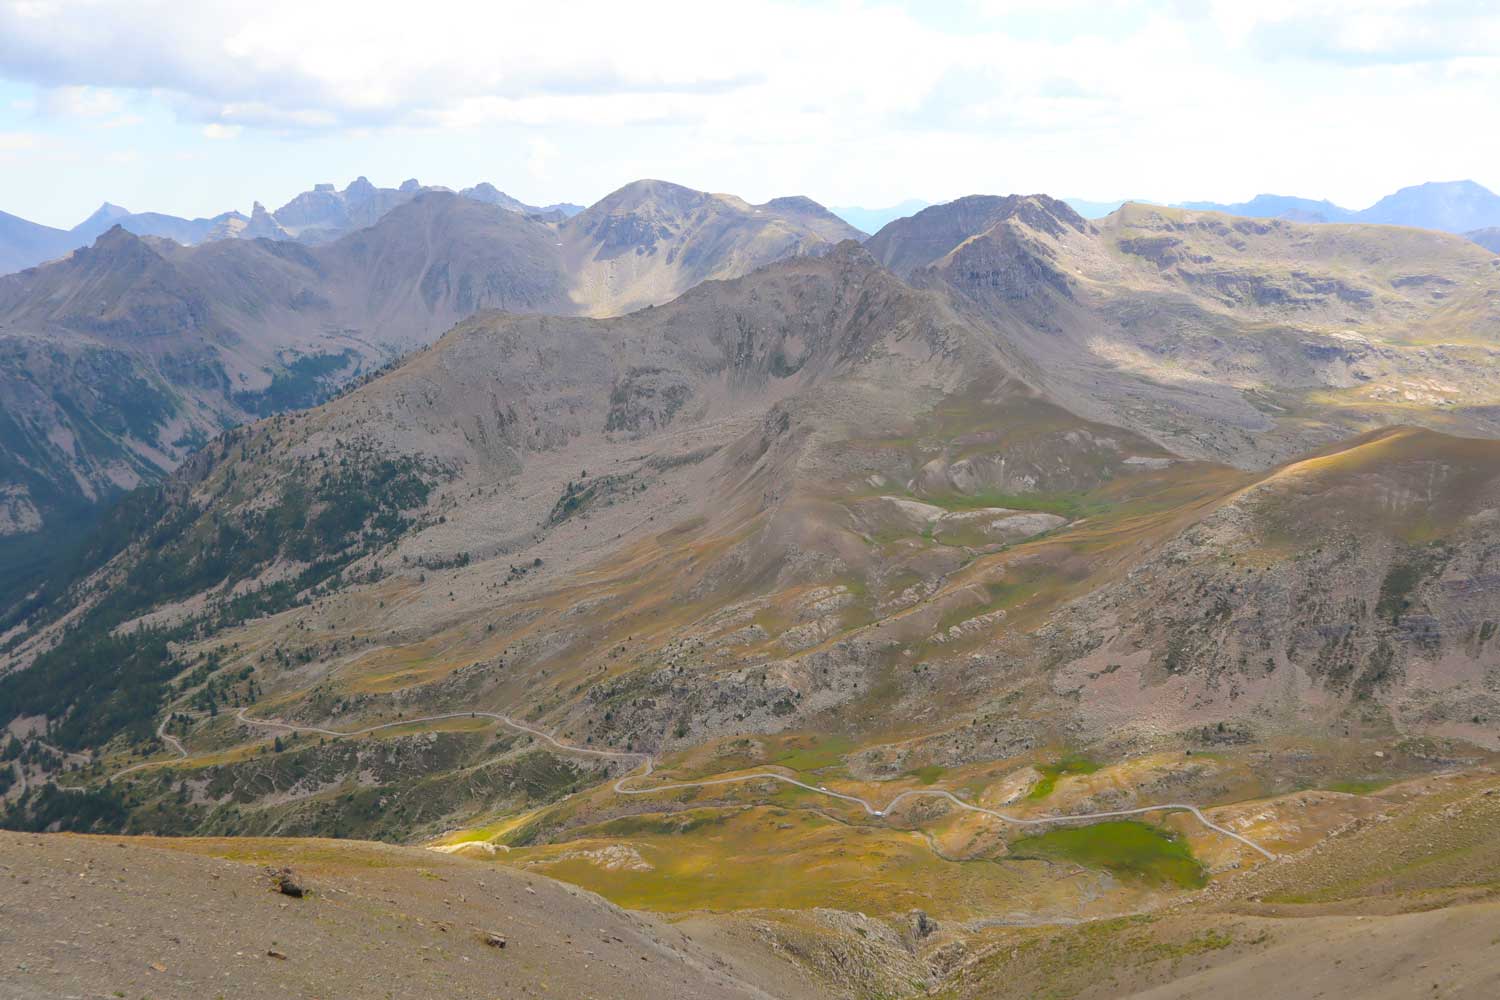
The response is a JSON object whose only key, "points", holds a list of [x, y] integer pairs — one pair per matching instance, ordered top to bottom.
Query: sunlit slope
{"points": [[652, 240], [1243, 339], [1358, 581], [1398, 903], [373, 920]]}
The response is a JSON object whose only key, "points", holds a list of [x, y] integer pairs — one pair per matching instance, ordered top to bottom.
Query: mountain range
{"points": [[1452, 207], [324, 213], [317, 216], [120, 359], [904, 415], [919, 611]]}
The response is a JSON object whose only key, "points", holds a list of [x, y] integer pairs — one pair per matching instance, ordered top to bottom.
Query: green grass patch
{"points": [[1069, 505], [855, 585], [1022, 585], [815, 754], [1071, 764], [929, 774], [660, 824], [1123, 847]]}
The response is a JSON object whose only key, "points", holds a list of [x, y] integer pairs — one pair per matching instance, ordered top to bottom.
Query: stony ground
{"points": [[125, 917]]}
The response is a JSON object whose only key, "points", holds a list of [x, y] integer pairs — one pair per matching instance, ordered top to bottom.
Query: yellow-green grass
{"points": [[1444, 478], [1069, 505], [392, 669], [799, 751], [242, 752], [813, 753], [1071, 764], [494, 832], [1437, 845], [1126, 848], [780, 857], [1054, 962]]}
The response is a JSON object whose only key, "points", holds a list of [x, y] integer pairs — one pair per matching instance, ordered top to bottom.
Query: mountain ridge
{"points": [[318, 215], [197, 337]]}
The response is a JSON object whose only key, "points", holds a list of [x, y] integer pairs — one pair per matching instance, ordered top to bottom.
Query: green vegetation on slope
{"points": [[302, 384], [98, 683], [816, 755], [1071, 764], [1123, 847]]}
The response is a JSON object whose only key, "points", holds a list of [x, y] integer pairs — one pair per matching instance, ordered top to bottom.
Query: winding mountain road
{"points": [[165, 737], [870, 809]]}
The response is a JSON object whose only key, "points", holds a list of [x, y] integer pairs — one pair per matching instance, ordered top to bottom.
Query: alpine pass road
{"points": [[869, 808]]}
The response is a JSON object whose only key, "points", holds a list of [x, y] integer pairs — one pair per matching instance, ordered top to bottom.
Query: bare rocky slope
{"points": [[651, 241], [121, 359], [194, 919]]}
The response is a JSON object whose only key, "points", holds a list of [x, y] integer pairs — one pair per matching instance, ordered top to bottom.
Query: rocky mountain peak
{"points": [[359, 189], [486, 193], [652, 195], [795, 203], [1453, 206], [263, 225], [116, 240], [917, 241], [852, 253]]}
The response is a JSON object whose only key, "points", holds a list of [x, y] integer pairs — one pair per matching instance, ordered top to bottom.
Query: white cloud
{"points": [[1364, 31], [341, 63], [859, 100], [81, 102]]}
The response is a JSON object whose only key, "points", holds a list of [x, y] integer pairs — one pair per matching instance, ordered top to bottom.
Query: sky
{"points": [[194, 107]]}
